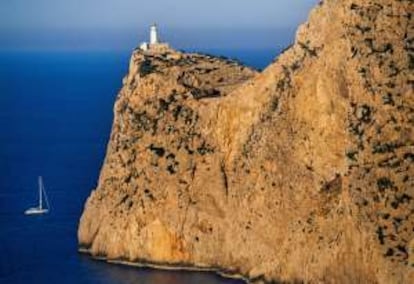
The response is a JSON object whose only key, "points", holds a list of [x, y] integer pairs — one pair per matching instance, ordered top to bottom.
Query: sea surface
{"points": [[55, 120]]}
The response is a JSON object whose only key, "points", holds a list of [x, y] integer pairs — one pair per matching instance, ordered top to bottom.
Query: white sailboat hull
{"points": [[36, 211]]}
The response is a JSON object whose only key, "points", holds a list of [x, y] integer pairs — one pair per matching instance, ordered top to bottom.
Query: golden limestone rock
{"points": [[303, 172]]}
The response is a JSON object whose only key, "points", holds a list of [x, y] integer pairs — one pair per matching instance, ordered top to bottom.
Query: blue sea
{"points": [[55, 120]]}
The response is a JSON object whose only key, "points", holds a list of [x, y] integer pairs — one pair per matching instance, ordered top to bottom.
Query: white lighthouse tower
{"points": [[153, 34], [154, 45]]}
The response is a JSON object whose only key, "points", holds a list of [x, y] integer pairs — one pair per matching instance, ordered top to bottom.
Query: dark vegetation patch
{"points": [[308, 49], [146, 68], [388, 147], [205, 149], [159, 151], [352, 155], [384, 183]]}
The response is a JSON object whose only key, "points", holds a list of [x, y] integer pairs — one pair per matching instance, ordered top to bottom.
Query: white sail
{"points": [[40, 191], [39, 209]]}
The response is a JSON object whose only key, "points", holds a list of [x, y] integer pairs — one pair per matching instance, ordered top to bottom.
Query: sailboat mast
{"points": [[40, 192]]}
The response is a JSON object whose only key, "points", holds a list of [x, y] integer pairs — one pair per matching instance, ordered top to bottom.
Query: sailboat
{"points": [[39, 209]]}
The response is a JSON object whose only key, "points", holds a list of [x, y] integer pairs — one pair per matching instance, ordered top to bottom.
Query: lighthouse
{"points": [[153, 34], [154, 45]]}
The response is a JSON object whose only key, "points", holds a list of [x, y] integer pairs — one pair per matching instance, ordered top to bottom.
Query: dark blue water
{"points": [[55, 120]]}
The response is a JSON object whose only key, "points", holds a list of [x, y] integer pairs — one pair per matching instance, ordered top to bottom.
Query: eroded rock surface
{"points": [[303, 172]]}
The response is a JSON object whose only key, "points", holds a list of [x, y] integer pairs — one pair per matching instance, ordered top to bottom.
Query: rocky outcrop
{"points": [[303, 172]]}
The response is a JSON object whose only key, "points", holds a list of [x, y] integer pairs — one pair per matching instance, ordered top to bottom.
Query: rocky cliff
{"points": [[303, 172]]}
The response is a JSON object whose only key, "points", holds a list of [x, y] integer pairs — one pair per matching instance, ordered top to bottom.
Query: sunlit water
{"points": [[55, 120]]}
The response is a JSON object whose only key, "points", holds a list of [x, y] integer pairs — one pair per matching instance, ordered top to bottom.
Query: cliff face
{"points": [[302, 172]]}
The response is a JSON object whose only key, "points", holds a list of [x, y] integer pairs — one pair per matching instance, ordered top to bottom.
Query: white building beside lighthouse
{"points": [[154, 45]]}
